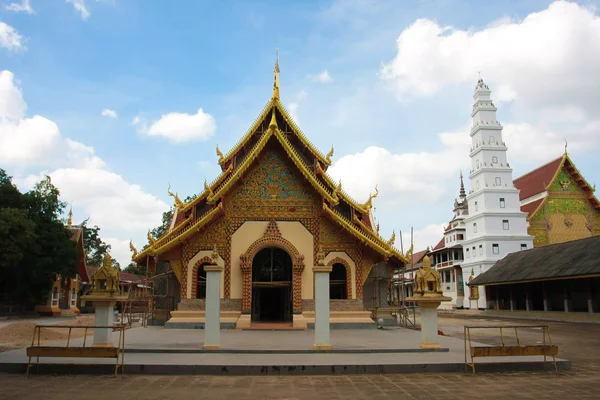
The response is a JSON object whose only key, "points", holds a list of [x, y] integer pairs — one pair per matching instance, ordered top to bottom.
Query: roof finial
{"points": [[479, 72], [276, 77], [565, 146], [462, 186], [70, 220]]}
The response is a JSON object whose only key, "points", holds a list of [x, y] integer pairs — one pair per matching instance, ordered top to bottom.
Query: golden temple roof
{"points": [[315, 174]]}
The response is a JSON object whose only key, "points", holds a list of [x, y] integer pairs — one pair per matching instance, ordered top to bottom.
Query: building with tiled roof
{"points": [[559, 202], [268, 218]]}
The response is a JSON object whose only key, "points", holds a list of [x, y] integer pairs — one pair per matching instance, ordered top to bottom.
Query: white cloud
{"points": [[23, 6], [80, 7], [10, 38], [548, 60], [322, 77], [108, 113], [180, 127], [35, 140], [405, 178], [119, 208], [430, 235], [119, 250]]}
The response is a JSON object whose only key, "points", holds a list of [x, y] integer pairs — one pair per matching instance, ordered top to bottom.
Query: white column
{"points": [[104, 317], [212, 326], [429, 326], [322, 336]]}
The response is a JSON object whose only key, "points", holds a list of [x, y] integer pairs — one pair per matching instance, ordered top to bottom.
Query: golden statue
{"points": [[329, 155], [221, 156], [178, 203], [369, 204], [133, 249], [214, 256], [320, 257], [427, 280], [473, 290]]}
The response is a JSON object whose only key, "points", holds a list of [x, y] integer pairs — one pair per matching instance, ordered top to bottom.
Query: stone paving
{"points": [[578, 342]]}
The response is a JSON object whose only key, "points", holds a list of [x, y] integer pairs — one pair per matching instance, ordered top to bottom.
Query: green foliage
{"points": [[34, 244], [94, 246], [133, 268]]}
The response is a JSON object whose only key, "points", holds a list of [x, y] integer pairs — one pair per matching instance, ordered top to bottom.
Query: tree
{"points": [[35, 246], [94, 246], [133, 268]]}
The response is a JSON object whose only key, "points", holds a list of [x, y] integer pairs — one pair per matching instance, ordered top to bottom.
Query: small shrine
{"points": [[104, 295], [428, 295]]}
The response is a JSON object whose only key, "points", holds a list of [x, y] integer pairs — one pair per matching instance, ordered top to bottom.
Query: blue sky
{"points": [[388, 83]]}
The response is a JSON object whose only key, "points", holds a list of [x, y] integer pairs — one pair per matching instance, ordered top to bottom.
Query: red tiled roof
{"points": [[536, 181], [530, 208], [440, 245], [418, 256], [124, 276]]}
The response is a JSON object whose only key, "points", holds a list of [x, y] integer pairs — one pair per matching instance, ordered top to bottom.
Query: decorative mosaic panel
{"points": [[272, 179], [563, 182], [566, 206], [333, 233]]}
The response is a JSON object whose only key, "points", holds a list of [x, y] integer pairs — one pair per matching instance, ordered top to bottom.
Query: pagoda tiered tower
{"points": [[496, 226]]}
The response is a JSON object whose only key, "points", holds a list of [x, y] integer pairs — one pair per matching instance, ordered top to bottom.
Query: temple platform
{"points": [[156, 350]]}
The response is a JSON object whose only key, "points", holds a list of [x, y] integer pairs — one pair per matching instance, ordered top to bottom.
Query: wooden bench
{"points": [[37, 350], [546, 350]]}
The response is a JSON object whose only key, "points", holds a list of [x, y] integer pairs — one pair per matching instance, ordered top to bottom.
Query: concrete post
{"points": [[545, 294], [567, 300], [590, 300], [528, 302], [512, 304], [104, 311], [212, 325], [429, 326], [322, 336]]}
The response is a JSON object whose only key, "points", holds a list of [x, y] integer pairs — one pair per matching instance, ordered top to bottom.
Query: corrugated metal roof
{"points": [[561, 260]]}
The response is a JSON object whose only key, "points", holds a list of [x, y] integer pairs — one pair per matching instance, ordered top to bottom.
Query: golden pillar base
{"points": [[211, 347], [321, 347]]}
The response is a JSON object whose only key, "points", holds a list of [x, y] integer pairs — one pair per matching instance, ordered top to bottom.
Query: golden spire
{"points": [[276, 77], [220, 154], [329, 155], [70, 220]]}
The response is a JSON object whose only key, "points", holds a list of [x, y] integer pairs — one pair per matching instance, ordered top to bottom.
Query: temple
{"points": [[270, 216]]}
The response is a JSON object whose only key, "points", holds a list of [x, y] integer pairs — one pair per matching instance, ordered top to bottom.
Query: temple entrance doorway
{"points": [[272, 293]]}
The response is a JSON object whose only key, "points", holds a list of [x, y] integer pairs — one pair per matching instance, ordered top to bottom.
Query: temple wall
{"points": [[251, 231], [345, 257], [191, 279]]}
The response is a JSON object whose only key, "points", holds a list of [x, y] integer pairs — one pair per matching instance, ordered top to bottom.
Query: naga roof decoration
{"points": [[242, 156]]}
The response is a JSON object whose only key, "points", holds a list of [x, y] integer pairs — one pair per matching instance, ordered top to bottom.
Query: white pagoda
{"points": [[495, 225]]}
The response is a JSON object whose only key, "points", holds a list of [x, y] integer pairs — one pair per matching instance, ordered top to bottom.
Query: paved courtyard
{"points": [[578, 342]]}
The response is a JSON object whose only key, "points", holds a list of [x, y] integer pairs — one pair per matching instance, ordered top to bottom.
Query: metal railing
{"points": [[37, 350], [510, 350]]}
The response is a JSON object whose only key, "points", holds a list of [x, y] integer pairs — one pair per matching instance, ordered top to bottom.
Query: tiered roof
{"points": [[274, 124]]}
